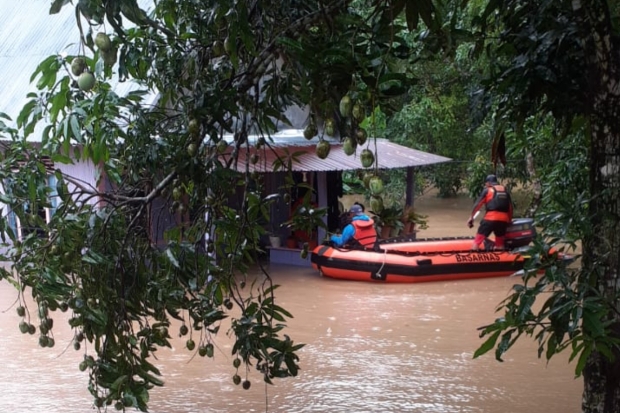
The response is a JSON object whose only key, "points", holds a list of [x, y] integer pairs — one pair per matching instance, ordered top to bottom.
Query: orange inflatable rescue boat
{"points": [[401, 260]]}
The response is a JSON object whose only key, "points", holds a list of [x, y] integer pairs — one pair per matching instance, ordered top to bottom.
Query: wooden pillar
{"points": [[321, 178], [410, 188]]}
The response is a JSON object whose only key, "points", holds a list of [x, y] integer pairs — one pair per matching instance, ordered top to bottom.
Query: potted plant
{"points": [[274, 201], [412, 220], [389, 221], [304, 224], [275, 240], [291, 242]]}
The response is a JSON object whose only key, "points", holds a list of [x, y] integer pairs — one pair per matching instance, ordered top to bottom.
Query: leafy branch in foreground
{"points": [[170, 226]]}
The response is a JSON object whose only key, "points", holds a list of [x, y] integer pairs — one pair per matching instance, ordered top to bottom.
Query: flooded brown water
{"points": [[369, 348]]}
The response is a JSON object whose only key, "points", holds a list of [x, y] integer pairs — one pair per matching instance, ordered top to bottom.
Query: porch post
{"points": [[321, 178], [410, 189]]}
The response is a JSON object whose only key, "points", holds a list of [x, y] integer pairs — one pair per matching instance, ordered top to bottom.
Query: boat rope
{"points": [[427, 254], [383, 263]]}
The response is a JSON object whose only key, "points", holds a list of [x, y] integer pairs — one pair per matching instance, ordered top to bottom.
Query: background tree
{"points": [[560, 59], [436, 115]]}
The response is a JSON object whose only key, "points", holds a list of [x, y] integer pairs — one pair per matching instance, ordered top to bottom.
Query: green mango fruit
{"points": [[103, 42], [109, 56], [78, 65], [86, 81], [346, 105], [358, 112], [330, 128], [310, 131], [361, 136], [222, 146], [348, 146], [322, 149], [367, 158], [375, 185], [376, 204]]}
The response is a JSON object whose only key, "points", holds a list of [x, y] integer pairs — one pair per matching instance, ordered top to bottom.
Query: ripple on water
{"points": [[360, 370]]}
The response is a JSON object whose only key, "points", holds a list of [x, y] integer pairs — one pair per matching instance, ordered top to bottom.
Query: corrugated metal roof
{"points": [[28, 34], [389, 155]]}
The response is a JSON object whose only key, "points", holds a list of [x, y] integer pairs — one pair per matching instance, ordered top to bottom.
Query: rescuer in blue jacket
{"points": [[360, 232]]}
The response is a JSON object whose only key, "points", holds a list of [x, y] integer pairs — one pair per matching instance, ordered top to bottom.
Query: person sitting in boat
{"points": [[345, 216], [498, 216], [359, 233]]}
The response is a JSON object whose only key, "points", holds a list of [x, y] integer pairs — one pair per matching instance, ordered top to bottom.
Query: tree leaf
{"points": [[57, 5], [412, 15], [171, 258], [487, 345], [583, 358]]}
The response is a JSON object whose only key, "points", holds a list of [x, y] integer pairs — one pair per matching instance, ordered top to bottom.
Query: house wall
{"points": [[83, 171], [327, 187]]}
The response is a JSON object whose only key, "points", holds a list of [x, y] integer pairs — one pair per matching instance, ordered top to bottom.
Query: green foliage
{"points": [[538, 61], [219, 73], [222, 73], [543, 93], [437, 120], [477, 171], [395, 181], [352, 183], [396, 184], [410, 215], [390, 216], [307, 218], [573, 316], [566, 319]]}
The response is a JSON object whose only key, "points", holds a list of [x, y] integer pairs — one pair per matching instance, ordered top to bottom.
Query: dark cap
{"points": [[492, 179], [355, 209]]}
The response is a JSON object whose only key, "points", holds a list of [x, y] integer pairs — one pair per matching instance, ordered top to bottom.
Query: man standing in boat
{"points": [[498, 216], [359, 232]]}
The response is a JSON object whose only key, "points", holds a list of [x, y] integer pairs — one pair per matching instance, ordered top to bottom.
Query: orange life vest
{"points": [[498, 204], [365, 233]]}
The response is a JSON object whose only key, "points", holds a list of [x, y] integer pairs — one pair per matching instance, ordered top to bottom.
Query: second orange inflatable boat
{"points": [[420, 260]]}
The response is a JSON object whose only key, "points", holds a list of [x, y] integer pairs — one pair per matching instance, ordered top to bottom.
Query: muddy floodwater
{"points": [[369, 348]]}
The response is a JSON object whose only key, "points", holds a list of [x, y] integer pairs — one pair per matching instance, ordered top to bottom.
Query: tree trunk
{"points": [[602, 246], [601, 383]]}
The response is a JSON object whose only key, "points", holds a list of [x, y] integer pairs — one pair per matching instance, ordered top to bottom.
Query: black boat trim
{"points": [[379, 270]]}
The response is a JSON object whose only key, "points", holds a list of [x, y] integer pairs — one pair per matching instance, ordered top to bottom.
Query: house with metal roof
{"points": [[28, 34], [323, 175]]}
